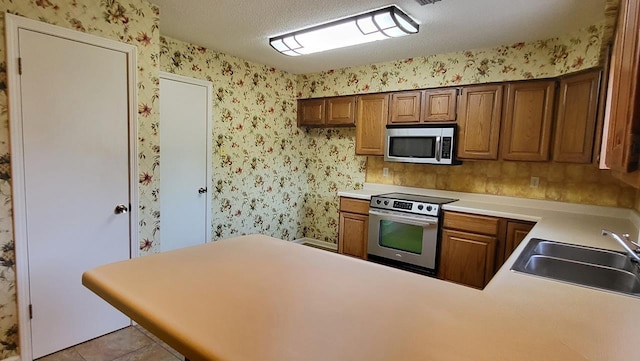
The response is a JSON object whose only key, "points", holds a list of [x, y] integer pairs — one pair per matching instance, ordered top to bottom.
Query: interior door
{"points": [[184, 147], [76, 169]]}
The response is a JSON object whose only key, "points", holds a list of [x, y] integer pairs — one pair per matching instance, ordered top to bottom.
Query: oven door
{"points": [[405, 238]]}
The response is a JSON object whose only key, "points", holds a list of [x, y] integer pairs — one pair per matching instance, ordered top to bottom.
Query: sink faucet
{"points": [[623, 242]]}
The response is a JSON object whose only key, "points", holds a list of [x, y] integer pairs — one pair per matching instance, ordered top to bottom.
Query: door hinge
{"points": [[20, 66], [30, 312]]}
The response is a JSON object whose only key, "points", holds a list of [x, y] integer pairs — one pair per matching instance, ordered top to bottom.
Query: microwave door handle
{"points": [[438, 149], [407, 220]]}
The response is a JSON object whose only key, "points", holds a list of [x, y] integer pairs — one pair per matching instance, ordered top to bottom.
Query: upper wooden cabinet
{"points": [[437, 105], [405, 107], [335, 111], [341, 111], [311, 112], [576, 118], [371, 120], [479, 122], [527, 122], [623, 150]]}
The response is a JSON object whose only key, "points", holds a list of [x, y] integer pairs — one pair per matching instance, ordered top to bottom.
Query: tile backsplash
{"points": [[576, 183]]}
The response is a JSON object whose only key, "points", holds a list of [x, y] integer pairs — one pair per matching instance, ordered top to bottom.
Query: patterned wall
{"points": [[132, 21], [538, 59], [260, 155]]}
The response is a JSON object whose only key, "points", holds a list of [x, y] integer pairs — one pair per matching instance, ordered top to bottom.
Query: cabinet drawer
{"points": [[352, 205], [472, 223]]}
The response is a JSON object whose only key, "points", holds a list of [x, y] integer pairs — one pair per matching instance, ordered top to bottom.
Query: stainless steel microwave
{"points": [[428, 144]]}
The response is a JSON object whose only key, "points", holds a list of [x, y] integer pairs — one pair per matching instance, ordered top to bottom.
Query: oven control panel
{"points": [[405, 206]]}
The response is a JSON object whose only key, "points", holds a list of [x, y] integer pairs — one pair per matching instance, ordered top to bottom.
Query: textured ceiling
{"points": [[243, 28]]}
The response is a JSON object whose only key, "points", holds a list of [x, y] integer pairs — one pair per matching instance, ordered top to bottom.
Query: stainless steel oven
{"points": [[404, 231]]}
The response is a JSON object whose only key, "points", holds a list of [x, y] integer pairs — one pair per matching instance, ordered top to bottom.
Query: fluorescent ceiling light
{"points": [[389, 22]]}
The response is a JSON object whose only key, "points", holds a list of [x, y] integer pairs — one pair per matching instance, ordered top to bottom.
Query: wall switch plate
{"points": [[385, 172], [535, 181]]}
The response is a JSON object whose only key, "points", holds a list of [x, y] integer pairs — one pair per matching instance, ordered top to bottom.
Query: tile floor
{"points": [[129, 344]]}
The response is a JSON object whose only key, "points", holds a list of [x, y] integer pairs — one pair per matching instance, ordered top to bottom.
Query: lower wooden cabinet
{"points": [[354, 227], [516, 232], [474, 247], [467, 258]]}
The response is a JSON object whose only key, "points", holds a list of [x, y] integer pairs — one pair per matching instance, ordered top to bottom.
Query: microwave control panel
{"points": [[446, 147]]}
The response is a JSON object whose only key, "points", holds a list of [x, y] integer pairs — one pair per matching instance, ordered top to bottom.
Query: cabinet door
{"points": [[439, 105], [405, 107], [341, 111], [310, 112], [576, 118], [624, 118], [371, 121], [479, 122], [527, 122], [516, 232], [352, 237], [467, 258]]}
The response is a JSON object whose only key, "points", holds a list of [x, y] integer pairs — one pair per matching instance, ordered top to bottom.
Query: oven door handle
{"points": [[404, 219]]}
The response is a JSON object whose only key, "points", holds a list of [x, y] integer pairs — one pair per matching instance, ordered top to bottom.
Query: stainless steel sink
{"points": [[585, 266]]}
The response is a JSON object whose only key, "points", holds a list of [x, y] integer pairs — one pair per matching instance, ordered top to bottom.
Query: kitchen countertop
{"points": [[259, 298]]}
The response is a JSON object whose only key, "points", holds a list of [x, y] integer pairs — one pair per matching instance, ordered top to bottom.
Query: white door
{"points": [[75, 126], [185, 135]]}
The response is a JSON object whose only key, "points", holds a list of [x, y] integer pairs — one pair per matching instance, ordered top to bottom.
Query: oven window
{"points": [[416, 147], [401, 236]]}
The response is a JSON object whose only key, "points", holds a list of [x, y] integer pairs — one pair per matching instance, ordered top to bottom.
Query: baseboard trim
{"points": [[317, 243]]}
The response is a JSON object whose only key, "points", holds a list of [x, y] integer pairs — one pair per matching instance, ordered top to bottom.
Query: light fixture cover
{"points": [[385, 23]]}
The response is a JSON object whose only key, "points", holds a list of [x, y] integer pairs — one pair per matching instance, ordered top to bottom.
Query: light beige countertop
{"points": [[259, 298]]}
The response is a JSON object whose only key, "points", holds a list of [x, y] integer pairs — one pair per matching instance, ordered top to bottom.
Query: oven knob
{"points": [[378, 201], [386, 203], [420, 206], [429, 208]]}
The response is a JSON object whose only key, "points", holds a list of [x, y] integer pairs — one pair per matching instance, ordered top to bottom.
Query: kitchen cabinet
{"points": [[439, 105], [421, 106], [405, 107], [334, 111], [341, 111], [311, 112], [576, 118], [371, 120], [527, 121], [479, 122], [622, 149], [354, 227], [516, 232], [474, 246], [468, 252], [467, 258]]}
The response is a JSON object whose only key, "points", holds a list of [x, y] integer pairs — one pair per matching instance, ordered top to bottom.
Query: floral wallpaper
{"points": [[131, 21], [538, 59], [260, 155]]}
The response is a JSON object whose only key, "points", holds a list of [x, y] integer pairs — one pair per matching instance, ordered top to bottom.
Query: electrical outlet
{"points": [[385, 172], [535, 181]]}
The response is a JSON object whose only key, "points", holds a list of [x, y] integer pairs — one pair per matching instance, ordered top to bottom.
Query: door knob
{"points": [[202, 190], [120, 209]]}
